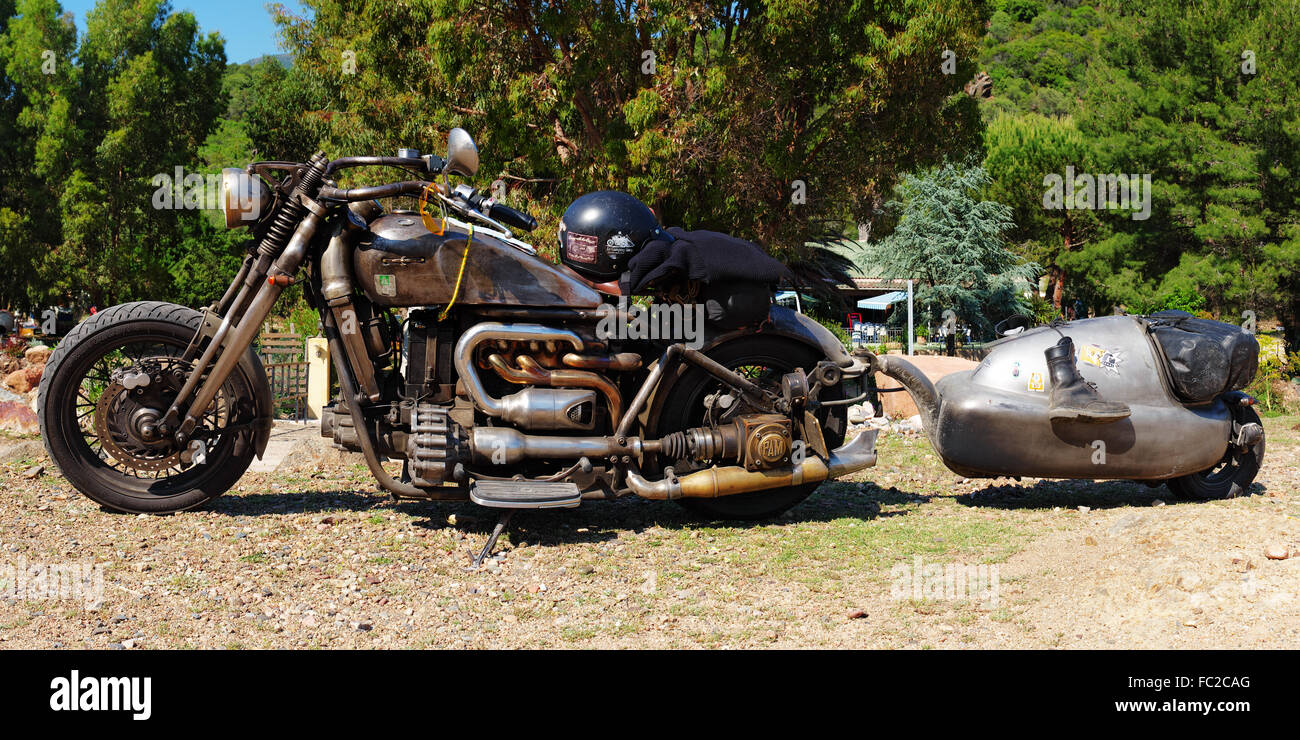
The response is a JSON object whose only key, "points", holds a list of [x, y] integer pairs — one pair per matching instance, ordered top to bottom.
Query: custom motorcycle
{"points": [[495, 385]]}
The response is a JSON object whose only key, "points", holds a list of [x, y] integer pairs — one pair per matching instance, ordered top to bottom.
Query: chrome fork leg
{"points": [[242, 335]]}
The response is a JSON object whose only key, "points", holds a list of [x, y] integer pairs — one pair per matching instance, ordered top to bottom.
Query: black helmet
{"points": [[601, 231]]}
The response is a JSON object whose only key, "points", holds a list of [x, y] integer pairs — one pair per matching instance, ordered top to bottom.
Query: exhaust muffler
{"points": [[727, 481]]}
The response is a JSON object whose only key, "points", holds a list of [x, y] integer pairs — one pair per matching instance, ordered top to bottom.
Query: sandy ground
{"points": [[309, 554]]}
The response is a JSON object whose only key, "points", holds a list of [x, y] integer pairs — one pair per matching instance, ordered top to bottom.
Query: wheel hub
{"points": [[127, 419]]}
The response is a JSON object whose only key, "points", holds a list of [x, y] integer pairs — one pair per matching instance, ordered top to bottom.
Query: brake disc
{"points": [[118, 420]]}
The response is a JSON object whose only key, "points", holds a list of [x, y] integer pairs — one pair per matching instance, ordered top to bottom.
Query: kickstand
{"points": [[492, 540]]}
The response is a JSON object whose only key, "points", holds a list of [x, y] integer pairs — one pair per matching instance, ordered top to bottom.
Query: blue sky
{"points": [[245, 24]]}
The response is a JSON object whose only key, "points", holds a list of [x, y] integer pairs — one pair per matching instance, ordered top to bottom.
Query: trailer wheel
{"points": [[1232, 476]]}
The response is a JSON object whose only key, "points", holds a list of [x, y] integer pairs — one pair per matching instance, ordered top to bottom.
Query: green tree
{"points": [[37, 79], [1205, 98], [133, 100], [762, 118], [1023, 151], [953, 244]]}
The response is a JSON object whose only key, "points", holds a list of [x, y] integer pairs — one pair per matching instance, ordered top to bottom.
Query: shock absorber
{"points": [[290, 214]]}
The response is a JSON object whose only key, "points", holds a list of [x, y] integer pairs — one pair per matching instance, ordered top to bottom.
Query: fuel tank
{"points": [[398, 262], [993, 420]]}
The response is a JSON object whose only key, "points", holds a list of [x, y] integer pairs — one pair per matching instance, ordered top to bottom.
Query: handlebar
{"points": [[418, 165], [410, 187], [470, 200], [512, 217]]}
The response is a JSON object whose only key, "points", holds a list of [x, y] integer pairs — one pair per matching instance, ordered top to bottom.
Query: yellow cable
{"points": [[459, 275]]}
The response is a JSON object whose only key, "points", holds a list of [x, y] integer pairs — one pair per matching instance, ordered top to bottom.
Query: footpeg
{"points": [[518, 494]]}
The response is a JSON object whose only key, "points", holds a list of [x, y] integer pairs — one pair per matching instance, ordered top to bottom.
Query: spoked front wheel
{"points": [[105, 390]]}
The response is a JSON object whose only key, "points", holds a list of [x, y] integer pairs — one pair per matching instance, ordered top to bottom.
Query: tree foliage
{"points": [[132, 98], [721, 115], [952, 243]]}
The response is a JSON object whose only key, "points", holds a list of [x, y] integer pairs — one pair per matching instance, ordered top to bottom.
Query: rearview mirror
{"points": [[462, 154]]}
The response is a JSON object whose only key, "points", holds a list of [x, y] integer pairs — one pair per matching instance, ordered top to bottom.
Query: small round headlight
{"points": [[244, 197]]}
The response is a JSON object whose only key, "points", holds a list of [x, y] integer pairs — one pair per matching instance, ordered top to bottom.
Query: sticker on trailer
{"points": [[386, 285], [1091, 354], [1102, 358], [1036, 382]]}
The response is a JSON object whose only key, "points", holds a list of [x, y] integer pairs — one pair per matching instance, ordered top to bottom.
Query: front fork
{"points": [[264, 283]]}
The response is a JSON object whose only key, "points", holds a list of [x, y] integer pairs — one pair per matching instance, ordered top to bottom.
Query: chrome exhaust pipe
{"points": [[464, 356], [855, 455]]}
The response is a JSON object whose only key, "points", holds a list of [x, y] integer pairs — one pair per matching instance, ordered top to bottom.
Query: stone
{"points": [[37, 354], [34, 373], [17, 380], [17, 418], [1126, 522], [1277, 552]]}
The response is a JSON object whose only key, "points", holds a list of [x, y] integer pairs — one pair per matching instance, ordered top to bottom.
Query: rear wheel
{"points": [[763, 360], [108, 384], [1234, 473]]}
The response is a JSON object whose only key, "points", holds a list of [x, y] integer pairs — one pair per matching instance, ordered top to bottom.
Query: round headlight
{"points": [[244, 197]]}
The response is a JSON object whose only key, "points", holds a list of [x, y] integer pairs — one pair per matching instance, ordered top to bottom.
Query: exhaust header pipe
{"points": [[727, 481]]}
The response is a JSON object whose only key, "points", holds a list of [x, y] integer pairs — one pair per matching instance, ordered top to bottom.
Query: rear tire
{"points": [[70, 399], [684, 409], [1231, 477]]}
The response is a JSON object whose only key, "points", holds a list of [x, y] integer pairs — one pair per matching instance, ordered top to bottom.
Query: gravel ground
{"points": [[310, 555]]}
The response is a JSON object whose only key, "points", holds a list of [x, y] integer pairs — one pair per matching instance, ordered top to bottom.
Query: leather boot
{"points": [[1072, 397]]}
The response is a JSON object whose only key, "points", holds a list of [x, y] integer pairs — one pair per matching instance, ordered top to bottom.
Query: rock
{"points": [[37, 354], [8, 363], [34, 373], [17, 380], [859, 413], [17, 418], [908, 425], [33, 471], [1084, 509], [1127, 522], [1089, 540], [1277, 552], [857, 614]]}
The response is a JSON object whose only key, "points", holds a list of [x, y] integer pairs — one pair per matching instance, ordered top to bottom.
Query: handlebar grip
{"points": [[511, 217]]}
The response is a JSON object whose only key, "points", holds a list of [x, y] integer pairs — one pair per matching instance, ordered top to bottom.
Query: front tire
{"points": [[763, 359], [88, 417]]}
